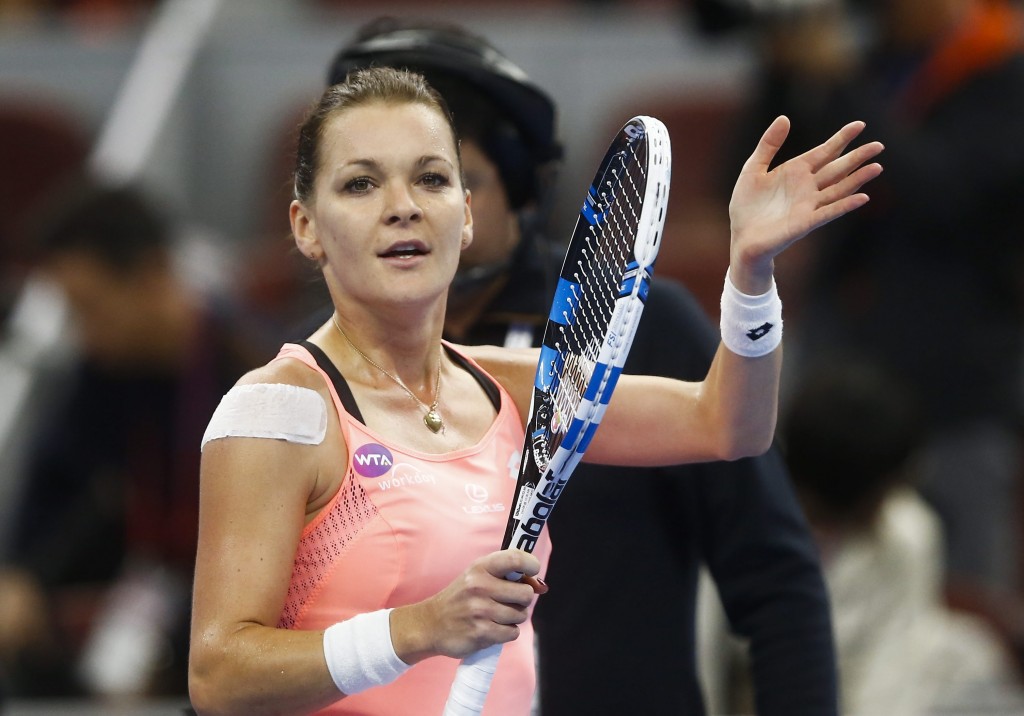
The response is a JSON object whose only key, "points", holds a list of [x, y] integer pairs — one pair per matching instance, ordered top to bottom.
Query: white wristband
{"points": [[751, 325], [360, 654]]}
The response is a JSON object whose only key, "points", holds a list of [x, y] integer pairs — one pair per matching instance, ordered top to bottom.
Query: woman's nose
{"points": [[401, 204]]}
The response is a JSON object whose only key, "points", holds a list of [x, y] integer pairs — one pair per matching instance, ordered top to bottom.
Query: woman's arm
{"points": [[732, 412], [254, 494]]}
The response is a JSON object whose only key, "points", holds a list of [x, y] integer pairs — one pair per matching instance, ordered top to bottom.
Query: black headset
{"points": [[453, 53]]}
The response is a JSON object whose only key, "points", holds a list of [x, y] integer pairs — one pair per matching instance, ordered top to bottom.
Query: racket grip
{"points": [[472, 682]]}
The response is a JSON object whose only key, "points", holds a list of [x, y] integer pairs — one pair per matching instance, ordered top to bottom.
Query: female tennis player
{"points": [[353, 489]]}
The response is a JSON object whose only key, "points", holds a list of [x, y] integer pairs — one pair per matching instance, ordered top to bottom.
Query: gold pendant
{"points": [[433, 421]]}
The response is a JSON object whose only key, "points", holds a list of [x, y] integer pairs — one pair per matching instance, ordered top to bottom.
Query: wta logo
{"points": [[372, 460]]}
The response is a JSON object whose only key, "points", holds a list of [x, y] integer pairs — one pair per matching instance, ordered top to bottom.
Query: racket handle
{"points": [[472, 682]]}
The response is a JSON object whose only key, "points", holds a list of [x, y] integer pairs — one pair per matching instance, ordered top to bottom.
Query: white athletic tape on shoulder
{"points": [[751, 325], [269, 410], [360, 654]]}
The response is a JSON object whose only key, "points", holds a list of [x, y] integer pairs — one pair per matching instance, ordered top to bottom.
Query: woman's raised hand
{"points": [[771, 208]]}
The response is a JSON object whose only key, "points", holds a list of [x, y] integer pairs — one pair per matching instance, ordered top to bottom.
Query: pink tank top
{"points": [[402, 526]]}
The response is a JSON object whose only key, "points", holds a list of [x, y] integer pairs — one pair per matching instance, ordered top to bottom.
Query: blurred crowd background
{"points": [[905, 324]]}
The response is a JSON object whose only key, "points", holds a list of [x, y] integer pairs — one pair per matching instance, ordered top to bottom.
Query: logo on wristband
{"points": [[760, 332]]}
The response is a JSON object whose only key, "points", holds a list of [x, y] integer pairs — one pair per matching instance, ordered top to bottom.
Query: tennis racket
{"points": [[601, 291]]}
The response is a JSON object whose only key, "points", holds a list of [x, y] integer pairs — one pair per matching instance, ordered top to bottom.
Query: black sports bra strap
{"points": [[489, 386], [348, 401]]}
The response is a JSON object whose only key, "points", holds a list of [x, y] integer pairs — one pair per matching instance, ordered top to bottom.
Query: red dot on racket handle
{"points": [[538, 584]]}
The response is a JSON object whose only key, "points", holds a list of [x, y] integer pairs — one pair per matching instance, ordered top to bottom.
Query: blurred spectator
{"points": [[86, 14], [42, 145], [927, 280], [849, 433], [740, 518], [94, 598]]}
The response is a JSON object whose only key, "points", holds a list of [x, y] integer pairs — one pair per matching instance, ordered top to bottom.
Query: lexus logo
{"points": [[476, 493]]}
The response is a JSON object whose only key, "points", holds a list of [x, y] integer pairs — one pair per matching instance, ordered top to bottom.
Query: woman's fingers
{"points": [[768, 147], [833, 147], [852, 163], [539, 585]]}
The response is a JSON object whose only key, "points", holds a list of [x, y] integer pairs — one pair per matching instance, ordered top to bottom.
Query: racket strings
{"points": [[602, 262]]}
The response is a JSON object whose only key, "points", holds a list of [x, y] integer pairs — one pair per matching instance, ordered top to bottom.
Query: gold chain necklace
{"points": [[432, 418]]}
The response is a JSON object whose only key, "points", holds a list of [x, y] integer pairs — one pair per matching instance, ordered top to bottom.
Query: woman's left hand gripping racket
{"points": [[601, 292]]}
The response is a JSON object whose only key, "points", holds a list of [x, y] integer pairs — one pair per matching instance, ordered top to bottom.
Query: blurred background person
{"points": [[92, 13], [927, 281], [849, 433], [740, 519], [94, 591]]}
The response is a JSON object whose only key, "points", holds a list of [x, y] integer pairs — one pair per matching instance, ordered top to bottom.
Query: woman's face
{"points": [[389, 215]]}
